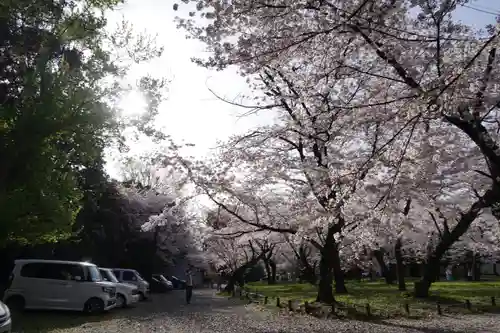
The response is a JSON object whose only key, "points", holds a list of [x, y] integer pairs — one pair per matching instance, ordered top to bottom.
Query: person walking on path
{"points": [[189, 286]]}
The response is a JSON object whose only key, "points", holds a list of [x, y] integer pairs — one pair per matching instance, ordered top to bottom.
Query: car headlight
{"points": [[108, 290]]}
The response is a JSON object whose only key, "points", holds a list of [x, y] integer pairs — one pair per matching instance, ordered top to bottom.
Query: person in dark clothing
{"points": [[189, 286]]}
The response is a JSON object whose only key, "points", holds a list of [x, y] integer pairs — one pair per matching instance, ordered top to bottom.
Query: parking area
{"points": [[161, 313], [209, 313], [116, 320]]}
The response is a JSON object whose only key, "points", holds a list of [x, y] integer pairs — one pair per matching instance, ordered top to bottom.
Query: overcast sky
{"points": [[191, 113]]}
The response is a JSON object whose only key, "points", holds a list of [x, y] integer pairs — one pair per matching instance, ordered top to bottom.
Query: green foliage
{"points": [[59, 82]]}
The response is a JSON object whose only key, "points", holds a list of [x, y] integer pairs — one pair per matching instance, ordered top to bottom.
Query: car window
{"points": [[31, 270], [51, 271], [54, 271], [73, 272], [93, 274], [104, 274], [117, 274], [108, 275], [129, 276], [138, 276]]}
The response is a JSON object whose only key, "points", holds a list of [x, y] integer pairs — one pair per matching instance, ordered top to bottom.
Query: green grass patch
{"points": [[223, 293], [387, 301]]}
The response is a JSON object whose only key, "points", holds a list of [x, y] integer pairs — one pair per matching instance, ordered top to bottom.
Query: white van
{"points": [[133, 277], [58, 285], [126, 294]]}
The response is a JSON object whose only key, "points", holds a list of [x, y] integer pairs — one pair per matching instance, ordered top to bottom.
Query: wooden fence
{"points": [[324, 310]]}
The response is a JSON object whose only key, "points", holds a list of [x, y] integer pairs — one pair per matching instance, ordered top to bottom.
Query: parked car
{"points": [[131, 276], [178, 283], [160, 284], [58, 285], [126, 294], [5, 320]]}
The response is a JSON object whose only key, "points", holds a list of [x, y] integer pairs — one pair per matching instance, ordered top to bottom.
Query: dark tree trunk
{"points": [[447, 239], [379, 256], [272, 264], [270, 267], [476, 267], [400, 268], [268, 271], [308, 271], [466, 271], [338, 273], [308, 274], [371, 274], [238, 276], [325, 293]]}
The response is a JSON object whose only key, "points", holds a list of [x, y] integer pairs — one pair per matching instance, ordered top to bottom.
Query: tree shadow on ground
{"points": [[171, 304]]}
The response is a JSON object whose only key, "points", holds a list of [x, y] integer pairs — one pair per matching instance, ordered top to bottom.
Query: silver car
{"points": [[58, 285], [126, 294], [5, 320]]}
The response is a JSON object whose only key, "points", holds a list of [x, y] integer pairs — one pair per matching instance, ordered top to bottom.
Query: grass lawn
{"points": [[387, 301]]}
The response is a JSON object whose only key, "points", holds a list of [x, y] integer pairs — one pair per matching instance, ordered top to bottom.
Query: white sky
{"points": [[191, 113]]}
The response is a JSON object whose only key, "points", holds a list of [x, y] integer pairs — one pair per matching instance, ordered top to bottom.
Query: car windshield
{"points": [[94, 274], [108, 275], [139, 276], [161, 277]]}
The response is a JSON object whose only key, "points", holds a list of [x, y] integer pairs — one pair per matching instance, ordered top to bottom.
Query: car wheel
{"points": [[142, 297], [121, 302], [16, 303], [94, 305]]}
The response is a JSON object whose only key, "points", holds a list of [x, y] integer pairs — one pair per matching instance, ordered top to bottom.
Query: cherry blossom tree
{"points": [[404, 63], [289, 197], [177, 234], [234, 254], [303, 256]]}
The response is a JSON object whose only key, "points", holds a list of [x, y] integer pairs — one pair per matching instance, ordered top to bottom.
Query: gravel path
{"points": [[212, 314]]}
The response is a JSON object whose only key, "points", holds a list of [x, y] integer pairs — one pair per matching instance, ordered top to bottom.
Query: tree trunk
{"points": [[379, 256], [272, 265], [432, 266], [476, 267], [400, 268], [307, 271], [268, 272], [338, 273], [308, 274], [238, 275], [236, 278], [230, 285], [325, 292]]}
